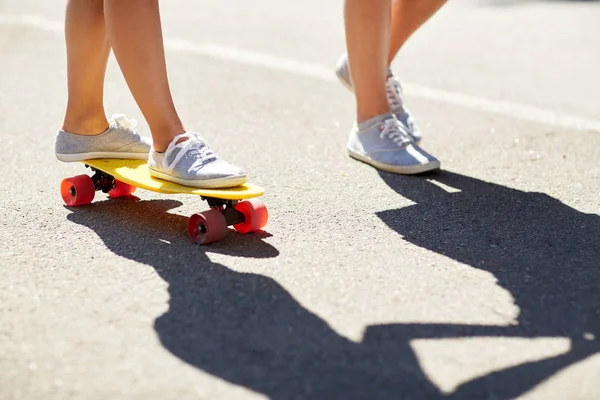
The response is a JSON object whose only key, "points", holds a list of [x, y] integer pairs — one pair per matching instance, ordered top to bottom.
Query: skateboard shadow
{"points": [[146, 232], [244, 327], [247, 329]]}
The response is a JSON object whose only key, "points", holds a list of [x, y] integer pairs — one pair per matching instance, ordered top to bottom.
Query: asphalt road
{"points": [[478, 282]]}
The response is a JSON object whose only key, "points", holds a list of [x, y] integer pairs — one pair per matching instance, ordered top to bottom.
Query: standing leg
{"points": [[406, 17], [135, 33], [367, 39], [87, 56], [377, 138]]}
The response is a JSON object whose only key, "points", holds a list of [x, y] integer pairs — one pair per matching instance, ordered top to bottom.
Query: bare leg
{"points": [[407, 17], [135, 33], [367, 39], [87, 56], [378, 138]]}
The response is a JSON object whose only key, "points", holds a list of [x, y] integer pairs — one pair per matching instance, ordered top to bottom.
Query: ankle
{"points": [[373, 108], [365, 116], [371, 122], [86, 123], [164, 127], [162, 138]]}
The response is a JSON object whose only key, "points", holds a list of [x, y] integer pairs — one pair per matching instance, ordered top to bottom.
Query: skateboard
{"points": [[238, 206]]}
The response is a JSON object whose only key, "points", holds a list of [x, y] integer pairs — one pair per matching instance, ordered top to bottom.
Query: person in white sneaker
{"points": [[132, 29], [385, 134]]}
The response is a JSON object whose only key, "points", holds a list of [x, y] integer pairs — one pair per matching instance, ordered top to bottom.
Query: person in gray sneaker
{"points": [[132, 29], [385, 134]]}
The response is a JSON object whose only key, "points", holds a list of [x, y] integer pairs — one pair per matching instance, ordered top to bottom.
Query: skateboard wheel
{"points": [[121, 189], [77, 190], [255, 215], [207, 227]]}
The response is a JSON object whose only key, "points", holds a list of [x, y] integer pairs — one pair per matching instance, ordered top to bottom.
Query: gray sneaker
{"points": [[394, 96], [120, 140], [387, 146], [192, 163]]}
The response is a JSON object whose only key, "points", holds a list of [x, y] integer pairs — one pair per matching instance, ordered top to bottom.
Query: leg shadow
{"points": [[545, 253], [244, 327]]}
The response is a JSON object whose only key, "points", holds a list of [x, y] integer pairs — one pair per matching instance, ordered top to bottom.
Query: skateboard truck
{"points": [[102, 180], [227, 208], [210, 226]]}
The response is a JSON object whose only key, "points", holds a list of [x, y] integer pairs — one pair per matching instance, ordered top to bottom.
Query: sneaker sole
{"points": [[100, 154], [412, 170], [221, 183]]}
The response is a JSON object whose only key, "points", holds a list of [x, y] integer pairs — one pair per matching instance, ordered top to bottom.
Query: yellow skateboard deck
{"points": [[135, 172], [237, 206]]}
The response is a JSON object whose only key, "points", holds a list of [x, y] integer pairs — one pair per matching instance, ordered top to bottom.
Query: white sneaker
{"points": [[120, 140], [388, 147], [189, 161]]}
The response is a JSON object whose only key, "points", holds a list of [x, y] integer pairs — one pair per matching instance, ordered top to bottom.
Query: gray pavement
{"points": [[479, 282]]}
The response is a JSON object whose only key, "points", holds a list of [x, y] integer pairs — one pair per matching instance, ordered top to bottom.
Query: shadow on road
{"points": [[545, 253], [247, 329]]}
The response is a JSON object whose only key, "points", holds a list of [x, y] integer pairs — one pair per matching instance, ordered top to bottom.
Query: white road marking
{"points": [[272, 62]]}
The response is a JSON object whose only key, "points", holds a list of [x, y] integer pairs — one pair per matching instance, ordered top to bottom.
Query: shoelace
{"points": [[393, 90], [394, 96], [122, 122], [393, 130], [194, 146]]}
